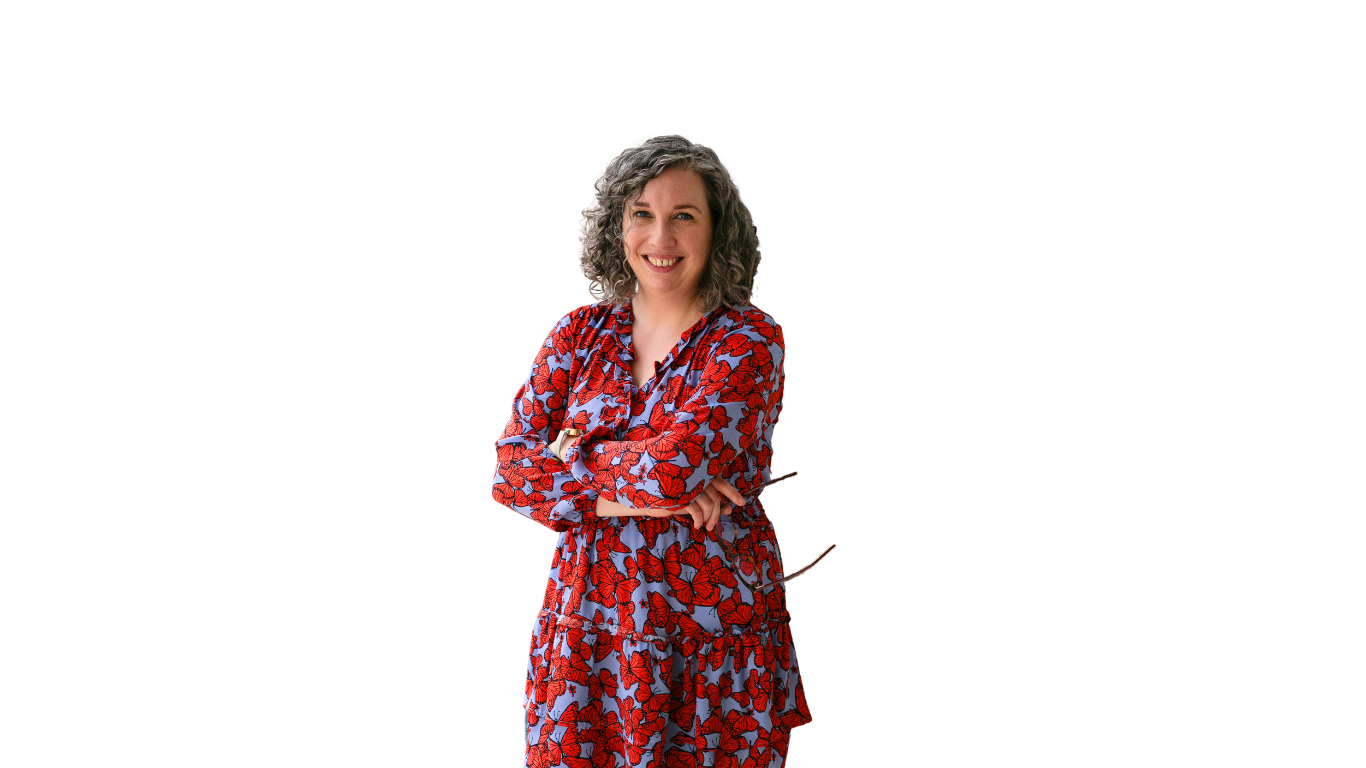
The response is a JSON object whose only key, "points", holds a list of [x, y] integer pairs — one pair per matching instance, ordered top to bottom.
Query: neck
{"points": [[657, 311]]}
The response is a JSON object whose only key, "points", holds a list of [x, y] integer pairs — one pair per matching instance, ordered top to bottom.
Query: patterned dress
{"points": [[647, 650]]}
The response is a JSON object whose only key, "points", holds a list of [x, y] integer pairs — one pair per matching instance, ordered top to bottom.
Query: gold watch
{"points": [[566, 435]]}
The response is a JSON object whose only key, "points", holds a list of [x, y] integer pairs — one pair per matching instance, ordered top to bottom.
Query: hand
{"points": [[710, 504]]}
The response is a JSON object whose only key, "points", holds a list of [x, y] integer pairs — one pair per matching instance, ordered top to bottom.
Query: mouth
{"points": [[661, 264]]}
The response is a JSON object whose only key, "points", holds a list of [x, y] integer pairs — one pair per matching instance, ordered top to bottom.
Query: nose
{"points": [[662, 236]]}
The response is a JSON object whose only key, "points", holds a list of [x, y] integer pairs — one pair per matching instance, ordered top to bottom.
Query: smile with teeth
{"points": [[663, 262]]}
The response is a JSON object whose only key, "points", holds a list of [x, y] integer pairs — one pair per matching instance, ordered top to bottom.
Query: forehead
{"points": [[674, 186]]}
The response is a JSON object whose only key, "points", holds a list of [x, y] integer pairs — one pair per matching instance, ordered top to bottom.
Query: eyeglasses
{"points": [[733, 557]]}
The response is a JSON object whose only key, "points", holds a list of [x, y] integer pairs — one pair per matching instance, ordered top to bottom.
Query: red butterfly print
{"points": [[735, 345], [595, 378], [714, 379], [549, 380], [673, 391], [538, 417], [582, 421], [722, 457], [671, 479], [650, 529], [608, 541], [605, 578], [704, 587], [551, 590], [698, 591], [576, 592], [733, 610], [626, 612], [659, 620], [687, 626], [573, 638], [605, 644], [745, 645], [782, 653], [715, 657], [571, 667], [637, 670], [726, 683], [602, 684], [758, 686], [547, 690], [740, 696], [803, 714], [642, 725], [607, 746], [551, 752]]}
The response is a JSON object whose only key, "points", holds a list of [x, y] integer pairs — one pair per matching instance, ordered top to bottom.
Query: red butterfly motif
{"points": [[734, 345], [761, 360], [714, 378], [546, 379], [596, 379], [673, 391], [673, 438], [722, 457], [671, 479], [650, 529], [608, 541], [606, 578], [551, 590], [577, 590], [733, 610], [626, 612], [659, 620], [687, 626], [573, 637], [605, 643], [746, 644], [782, 651], [716, 656], [571, 667], [636, 670], [601, 684], [758, 686], [546, 690], [740, 696], [642, 725], [733, 728], [607, 746], [549, 752]]}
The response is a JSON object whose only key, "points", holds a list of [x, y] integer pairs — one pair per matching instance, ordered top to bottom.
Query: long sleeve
{"points": [[707, 435], [529, 479]]}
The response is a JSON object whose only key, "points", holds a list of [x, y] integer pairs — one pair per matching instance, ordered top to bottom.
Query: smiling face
{"points": [[667, 234]]}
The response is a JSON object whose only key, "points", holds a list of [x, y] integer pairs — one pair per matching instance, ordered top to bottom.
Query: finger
{"points": [[731, 492], [727, 508]]}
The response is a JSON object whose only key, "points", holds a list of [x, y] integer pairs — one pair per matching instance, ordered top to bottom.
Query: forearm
{"points": [[607, 508]]}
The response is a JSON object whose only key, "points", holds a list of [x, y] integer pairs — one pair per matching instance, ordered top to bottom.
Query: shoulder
{"points": [[585, 318], [750, 321]]}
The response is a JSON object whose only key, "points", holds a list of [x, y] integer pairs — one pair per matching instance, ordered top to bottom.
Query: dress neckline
{"points": [[627, 316]]}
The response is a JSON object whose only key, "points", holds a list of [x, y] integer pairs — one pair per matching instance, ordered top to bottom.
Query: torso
{"points": [[651, 344], [648, 351]]}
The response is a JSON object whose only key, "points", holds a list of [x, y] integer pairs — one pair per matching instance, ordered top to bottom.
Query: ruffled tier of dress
{"points": [[661, 699]]}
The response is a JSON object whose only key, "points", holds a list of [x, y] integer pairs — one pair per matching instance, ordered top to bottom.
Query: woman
{"points": [[641, 435]]}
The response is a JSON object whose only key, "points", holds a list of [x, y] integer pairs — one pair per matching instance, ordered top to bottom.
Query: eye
{"points": [[646, 212], [641, 214], [687, 216]]}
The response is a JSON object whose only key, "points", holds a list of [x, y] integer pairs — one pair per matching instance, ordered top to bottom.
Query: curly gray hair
{"points": [[728, 277]]}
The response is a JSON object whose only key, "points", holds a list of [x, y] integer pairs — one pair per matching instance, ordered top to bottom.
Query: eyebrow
{"points": [[676, 207]]}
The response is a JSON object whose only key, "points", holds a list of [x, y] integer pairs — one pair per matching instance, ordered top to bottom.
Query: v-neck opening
{"points": [[629, 349]]}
